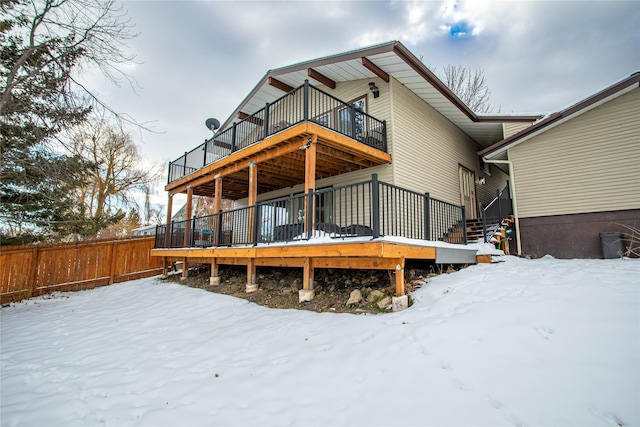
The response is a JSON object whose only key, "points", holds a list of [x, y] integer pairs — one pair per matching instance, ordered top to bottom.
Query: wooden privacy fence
{"points": [[31, 270]]}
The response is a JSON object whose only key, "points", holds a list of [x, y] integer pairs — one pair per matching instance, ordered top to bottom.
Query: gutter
{"points": [[514, 199]]}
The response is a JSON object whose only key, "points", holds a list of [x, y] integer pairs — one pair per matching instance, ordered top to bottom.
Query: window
{"points": [[346, 122]]}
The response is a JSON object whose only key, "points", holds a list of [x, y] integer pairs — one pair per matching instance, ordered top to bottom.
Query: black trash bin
{"points": [[612, 244]]}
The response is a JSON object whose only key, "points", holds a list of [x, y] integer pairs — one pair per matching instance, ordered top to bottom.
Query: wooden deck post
{"points": [[310, 180], [253, 197], [217, 204], [188, 214], [167, 233], [185, 268], [215, 275], [400, 279], [252, 286], [307, 293], [400, 301]]}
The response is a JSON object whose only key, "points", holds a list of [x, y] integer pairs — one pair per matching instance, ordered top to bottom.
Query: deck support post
{"points": [[310, 182], [253, 197], [217, 203], [168, 222], [187, 223], [185, 268], [165, 269], [400, 278], [214, 280], [252, 286], [307, 293], [400, 301]]}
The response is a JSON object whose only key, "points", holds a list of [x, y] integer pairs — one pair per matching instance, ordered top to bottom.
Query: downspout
{"points": [[514, 200]]}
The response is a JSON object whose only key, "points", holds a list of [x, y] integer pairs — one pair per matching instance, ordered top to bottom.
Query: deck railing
{"points": [[305, 103], [370, 208], [496, 211]]}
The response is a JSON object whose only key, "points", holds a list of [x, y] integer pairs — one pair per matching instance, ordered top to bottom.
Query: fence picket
{"points": [[32, 270]]}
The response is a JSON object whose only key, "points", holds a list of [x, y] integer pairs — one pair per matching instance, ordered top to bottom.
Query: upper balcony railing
{"points": [[305, 103]]}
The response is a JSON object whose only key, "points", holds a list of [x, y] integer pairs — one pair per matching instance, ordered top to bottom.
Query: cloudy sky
{"points": [[200, 59]]}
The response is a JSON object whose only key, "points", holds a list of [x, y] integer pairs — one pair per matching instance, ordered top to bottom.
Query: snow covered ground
{"points": [[524, 342]]}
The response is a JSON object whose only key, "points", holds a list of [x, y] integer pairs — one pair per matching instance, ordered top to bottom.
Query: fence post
{"points": [[305, 107], [352, 110], [266, 120], [384, 135], [233, 138], [204, 158], [184, 167], [169, 174], [498, 194], [375, 205], [309, 214], [427, 217], [256, 224], [464, 225], [484, 225], [192, 234], [218, 235], [170, 239], [112, 267], [33, 271]]}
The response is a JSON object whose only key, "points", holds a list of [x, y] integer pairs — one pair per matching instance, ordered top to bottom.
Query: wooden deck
{"points": [[359, 254]]}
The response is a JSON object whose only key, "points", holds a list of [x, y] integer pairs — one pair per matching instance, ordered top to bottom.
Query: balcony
{"points": [[303, 105], [371, 208]]}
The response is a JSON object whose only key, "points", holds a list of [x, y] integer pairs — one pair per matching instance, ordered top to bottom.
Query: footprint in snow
{"points": [[544, 331]]}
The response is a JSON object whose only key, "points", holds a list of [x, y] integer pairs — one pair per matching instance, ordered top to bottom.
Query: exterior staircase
{"points": [[474, 230]]}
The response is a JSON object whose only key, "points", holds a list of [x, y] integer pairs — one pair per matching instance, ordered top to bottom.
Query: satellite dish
{"points": [[212, 124]]}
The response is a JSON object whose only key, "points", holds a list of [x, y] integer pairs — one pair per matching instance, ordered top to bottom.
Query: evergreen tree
{"points": [[41, 42]]}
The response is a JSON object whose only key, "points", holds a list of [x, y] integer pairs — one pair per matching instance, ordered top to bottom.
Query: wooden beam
{"points": [[375, 69], [321, 78], [279, 85], [251, 119], [258, 154], [310, 165], [253, 197], [188, 214], [167, 234], [357, 263], [251, 271], [215, 273], [307, 274], [400, 279]]}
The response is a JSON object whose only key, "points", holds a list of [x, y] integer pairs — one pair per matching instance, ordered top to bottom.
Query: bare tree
{"points": [[56, 37], [470, 87], [117, 174]]}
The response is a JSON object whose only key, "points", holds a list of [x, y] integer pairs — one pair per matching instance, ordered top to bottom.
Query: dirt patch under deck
{"points": [[278, 287]]}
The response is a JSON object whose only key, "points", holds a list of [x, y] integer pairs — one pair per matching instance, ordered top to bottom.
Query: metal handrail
{"points": [[275, 117], [368, 208]]}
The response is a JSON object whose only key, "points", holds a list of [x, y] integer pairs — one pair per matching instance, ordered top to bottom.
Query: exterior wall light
{"points": [[374, 89]]}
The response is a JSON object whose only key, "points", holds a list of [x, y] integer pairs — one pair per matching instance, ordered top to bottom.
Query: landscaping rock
{"points": [[374, 295], [355, 297], [384, 303]]}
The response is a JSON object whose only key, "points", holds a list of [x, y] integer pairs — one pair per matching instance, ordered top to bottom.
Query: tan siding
{"points": [[377, 107], [509, 129], [428, 148], [587, 164], [496, 182]]}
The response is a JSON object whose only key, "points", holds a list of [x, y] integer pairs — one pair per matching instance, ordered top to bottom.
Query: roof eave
{"points": [[500, 147]]}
